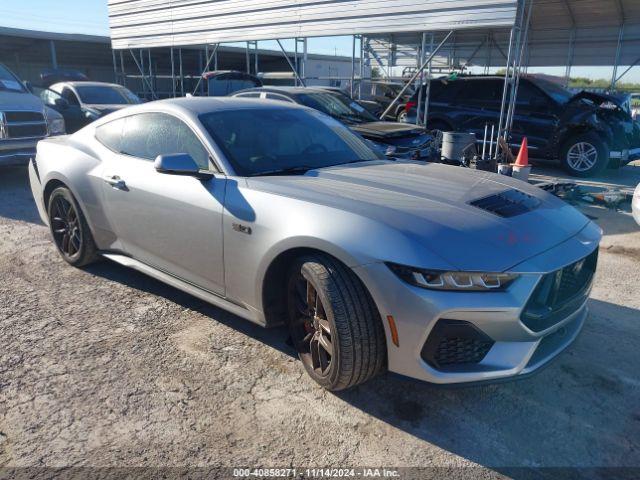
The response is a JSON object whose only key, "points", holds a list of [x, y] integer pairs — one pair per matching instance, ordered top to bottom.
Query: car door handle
{"points": [[116, 182]]}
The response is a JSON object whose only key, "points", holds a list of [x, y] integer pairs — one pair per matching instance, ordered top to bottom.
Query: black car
{"points": [[221, 83], [80, 103], [587, 132], [394, 139]]}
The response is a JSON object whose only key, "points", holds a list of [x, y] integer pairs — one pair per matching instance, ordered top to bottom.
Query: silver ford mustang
{"points": [[281, 214]]}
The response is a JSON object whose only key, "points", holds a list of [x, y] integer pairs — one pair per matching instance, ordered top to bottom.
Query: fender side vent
{"points": [[509, 203]]}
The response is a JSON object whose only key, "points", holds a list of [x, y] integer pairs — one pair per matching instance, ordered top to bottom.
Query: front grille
{"points": [[17, 117], [18, 124], [26, 131], [510, 203], [559, 294], [455, 343]]}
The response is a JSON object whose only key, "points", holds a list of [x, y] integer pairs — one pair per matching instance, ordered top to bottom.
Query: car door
{"points": [[74, 117], [535, 117], [172, 223]]}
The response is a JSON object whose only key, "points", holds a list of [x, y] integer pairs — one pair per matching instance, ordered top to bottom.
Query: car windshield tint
{"points": [[8, 81], [557, 92], [103, 95], [336, 105], [262, 141]]}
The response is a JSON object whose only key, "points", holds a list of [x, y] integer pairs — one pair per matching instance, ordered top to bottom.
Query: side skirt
{"points": [[185, 286]]}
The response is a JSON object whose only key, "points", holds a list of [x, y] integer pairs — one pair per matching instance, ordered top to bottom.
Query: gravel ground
{"points": [[106, 367]]}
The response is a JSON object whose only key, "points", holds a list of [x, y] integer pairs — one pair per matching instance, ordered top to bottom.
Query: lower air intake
{"points": [[454, 343]]}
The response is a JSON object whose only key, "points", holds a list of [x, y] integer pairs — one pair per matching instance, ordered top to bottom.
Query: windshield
{"points": [[8, 81], [555, 91], [106, 95], [336, 105], [261, 141]]}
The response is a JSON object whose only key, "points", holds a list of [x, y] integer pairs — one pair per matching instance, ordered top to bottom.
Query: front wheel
{"points": [[584, 155], [69, 229], [334, 324]]}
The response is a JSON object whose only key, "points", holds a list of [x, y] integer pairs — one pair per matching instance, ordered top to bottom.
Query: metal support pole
{"points": [[572, 42], [523, 46], [54, 57], [255, 57], [305, 57], [248, 58], [295, 59], [420, 59], [353, 64], [115, 66], [141, 67], [206, 68], [293, 68], [628, 70], [362, 72], [181, 73], [124, 74], [173, 74], [151, 76], [415, 76], [144, 77], [614, 77], [427, 100], [503, 105]]}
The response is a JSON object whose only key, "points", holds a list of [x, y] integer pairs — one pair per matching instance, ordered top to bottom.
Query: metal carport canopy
{"points": [[176, 23], [576, 32]]}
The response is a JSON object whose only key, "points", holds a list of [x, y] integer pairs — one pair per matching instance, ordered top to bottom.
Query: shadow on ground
{"points": [[17, 201], [578, 412]]}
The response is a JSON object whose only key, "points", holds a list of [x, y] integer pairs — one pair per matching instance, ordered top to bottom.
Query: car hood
{"points": [[599, 98], [20, 101], [387, 130], [430, 205]]}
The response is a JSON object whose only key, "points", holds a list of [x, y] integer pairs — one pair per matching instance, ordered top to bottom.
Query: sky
{"points": [[91, 17]]}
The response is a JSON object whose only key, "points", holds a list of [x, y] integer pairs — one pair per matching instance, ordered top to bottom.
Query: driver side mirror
{"points": [[27, 85], [179, 164]]}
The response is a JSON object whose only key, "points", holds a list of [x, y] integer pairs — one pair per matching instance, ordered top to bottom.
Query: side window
{"points": [[248, 95], [275, 96], [70, 97], [110, 134], [148, 135]]}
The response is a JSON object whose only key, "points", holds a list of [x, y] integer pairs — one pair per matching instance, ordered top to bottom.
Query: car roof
{"points": [[75, 84], [287, 90], [195, 106]]}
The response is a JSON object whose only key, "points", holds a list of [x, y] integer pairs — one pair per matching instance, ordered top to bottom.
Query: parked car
{"points": [[57, 75], [221, 83], [384, 92], [80, 103], [372, 107], [24, 120], [586, 132], [396, 139], [635, 205], [280, 213]]}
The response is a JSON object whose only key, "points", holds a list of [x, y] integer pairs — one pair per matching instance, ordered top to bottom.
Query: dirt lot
{"points": [[106, 367]]}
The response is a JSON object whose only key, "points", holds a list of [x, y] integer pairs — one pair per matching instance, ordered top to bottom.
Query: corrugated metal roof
{"points": [[155, 23]]}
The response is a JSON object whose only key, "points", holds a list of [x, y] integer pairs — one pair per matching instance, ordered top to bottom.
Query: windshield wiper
{"points": [[299, 169]]}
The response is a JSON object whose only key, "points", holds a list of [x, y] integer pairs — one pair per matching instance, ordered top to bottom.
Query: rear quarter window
{"points": [[110, 134]]}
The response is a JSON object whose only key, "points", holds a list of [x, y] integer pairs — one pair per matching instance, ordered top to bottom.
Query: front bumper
{"points": [[17, 152], [515, 350]]}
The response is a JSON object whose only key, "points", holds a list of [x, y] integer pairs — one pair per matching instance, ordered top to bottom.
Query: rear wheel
{"points": [[584, 155], [69, 229], [334, 324]]}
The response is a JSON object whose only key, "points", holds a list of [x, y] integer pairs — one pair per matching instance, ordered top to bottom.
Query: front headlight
{"points": [[57, 127], [453, 281]]}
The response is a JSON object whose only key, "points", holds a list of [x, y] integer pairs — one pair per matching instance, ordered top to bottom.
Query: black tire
{"points": [[401, 117], [578, 155], [69, 229], [342, 303]]}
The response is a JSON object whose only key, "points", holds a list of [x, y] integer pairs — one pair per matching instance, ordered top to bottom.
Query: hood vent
{"points": [[510, 203]]}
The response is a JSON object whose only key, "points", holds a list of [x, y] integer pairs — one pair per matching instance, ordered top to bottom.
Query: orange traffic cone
{"points": [[523, 155]]}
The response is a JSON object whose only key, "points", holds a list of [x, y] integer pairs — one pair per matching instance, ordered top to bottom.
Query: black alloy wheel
{"points": [[310, 328]]}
